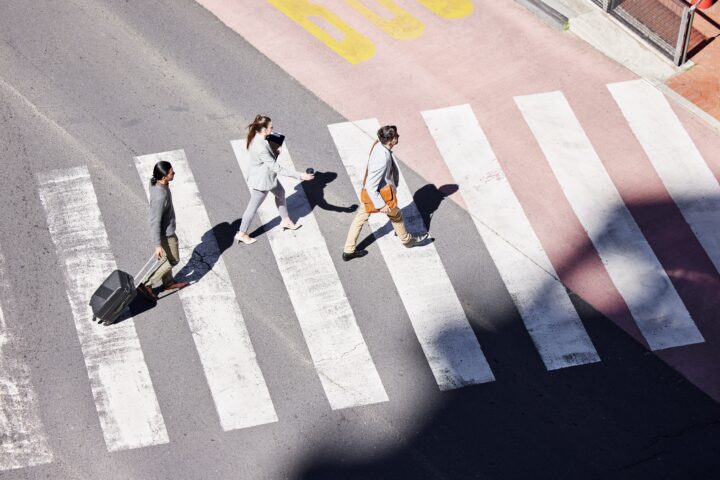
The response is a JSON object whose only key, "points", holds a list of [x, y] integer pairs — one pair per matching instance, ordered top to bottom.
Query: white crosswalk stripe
{"points": [[676, 159], [629, 260], [541, 299], [448, 341], [337, 347], [233, 374], [124, 396], [125, 400], [23, 441]]}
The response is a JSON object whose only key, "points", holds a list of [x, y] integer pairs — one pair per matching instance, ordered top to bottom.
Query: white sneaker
{"points": [[246, 239], [417, 240]]}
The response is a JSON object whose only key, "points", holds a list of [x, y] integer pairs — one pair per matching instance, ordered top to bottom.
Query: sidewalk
{"points": [[701, 84], [695, 85]]}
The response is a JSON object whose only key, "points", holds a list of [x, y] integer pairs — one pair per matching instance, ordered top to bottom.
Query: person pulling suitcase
{"points": [[162, 228]]}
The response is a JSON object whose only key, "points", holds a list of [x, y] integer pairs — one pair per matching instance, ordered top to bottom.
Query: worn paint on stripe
{"points": [[676, 159], [629, 260], [525, 268], [218, 328], [336, 344], [449, 344], [124, 396], [23, 442]]}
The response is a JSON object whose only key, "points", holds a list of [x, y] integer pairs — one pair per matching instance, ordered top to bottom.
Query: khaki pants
{"points": [[362, 216], [169, 260]]}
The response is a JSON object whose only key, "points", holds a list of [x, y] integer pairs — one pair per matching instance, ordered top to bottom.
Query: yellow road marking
{"points": [[449, 8], [403, 26], [353, 47]]}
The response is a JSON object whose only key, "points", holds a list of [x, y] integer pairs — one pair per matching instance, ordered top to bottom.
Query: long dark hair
{"points": [[254, 128], [161, 169]]}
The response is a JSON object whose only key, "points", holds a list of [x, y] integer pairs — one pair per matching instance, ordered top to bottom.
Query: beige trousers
{"points": [[362, 216], [170, 259]]}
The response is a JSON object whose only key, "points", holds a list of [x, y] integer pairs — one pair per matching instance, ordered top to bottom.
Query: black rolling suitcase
{"points": [[116, 293]]}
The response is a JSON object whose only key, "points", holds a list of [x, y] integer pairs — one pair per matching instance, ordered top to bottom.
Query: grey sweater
{"points": [[162, 213]]}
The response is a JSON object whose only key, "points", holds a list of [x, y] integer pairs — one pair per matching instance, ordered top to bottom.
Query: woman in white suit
{"points": [[263, 169]]}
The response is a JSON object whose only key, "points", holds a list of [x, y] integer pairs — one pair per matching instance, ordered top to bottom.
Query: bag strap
{"points": [[368, 164]]}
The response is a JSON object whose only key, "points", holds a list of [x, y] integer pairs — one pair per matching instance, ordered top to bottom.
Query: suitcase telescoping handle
{"points": [[147, 269]]}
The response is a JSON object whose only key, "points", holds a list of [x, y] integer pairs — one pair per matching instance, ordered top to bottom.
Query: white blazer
{"points": [[263, 167]]}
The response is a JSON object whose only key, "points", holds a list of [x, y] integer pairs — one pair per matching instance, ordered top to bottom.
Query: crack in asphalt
{"points": [[690, 428]]}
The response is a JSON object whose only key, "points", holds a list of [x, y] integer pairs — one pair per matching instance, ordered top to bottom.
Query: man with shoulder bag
{"points": [[379, 194]]}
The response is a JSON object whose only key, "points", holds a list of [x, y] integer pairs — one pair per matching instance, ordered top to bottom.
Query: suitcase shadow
{"points": [[202, 260], [138, 306]]}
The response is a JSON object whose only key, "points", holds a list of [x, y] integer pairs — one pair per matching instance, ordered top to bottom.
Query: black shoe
{"points": [[418, 240], [356, 254]]}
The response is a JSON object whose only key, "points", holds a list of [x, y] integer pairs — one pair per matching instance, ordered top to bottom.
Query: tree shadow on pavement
{"points": [[630, 416]]}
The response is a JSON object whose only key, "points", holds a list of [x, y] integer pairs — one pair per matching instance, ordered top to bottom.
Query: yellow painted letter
{"points": [[449, 8], [401, 26], [353, 47]]}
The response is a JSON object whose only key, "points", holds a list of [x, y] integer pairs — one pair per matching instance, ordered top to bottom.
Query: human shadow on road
{"points": [[315, 193], [306, 196], [428, 199], [418, 215], [207, 253], [202, 260], [629, 416]]}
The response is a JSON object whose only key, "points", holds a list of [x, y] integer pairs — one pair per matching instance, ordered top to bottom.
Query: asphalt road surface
{"points": [[97, 84]]}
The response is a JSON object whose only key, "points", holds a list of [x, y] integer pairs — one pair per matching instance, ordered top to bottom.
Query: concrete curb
{"points": [[545, 12], [607, 35], [688, 105]]}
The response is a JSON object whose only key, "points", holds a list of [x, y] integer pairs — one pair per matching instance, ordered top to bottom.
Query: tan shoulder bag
{"points": [[387, 192]]}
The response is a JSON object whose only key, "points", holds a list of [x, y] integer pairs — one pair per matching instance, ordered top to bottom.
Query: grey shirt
{"points": [[162, 213]]}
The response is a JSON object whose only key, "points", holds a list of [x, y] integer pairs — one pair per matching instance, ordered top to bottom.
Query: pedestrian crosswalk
{"points": [[676, 159], [628, 259], [529, 276], [336, 344], [449, 344], [119, 379], [241, 396], [127, 408], [23, 442]]}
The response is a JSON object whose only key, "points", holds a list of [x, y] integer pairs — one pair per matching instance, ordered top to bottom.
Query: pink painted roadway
{"points": [[485, 58]]}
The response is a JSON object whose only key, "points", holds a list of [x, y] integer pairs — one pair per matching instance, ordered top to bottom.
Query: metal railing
{"points": [[665, 24]]}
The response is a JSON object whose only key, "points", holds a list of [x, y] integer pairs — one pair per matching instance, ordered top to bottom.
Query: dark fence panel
{"points": [[665, 24]]}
